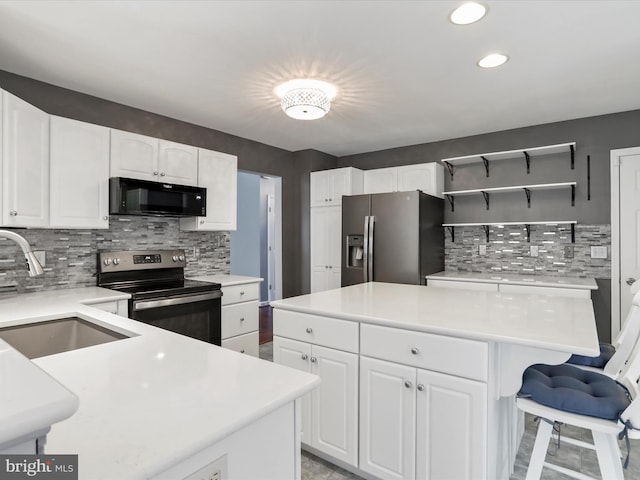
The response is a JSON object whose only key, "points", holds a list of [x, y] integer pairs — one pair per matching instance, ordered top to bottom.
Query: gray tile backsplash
{"points": [[509, 252], [71, 254]]}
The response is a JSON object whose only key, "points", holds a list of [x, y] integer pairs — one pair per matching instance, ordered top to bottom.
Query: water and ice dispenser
{"points": [[355, 251]]}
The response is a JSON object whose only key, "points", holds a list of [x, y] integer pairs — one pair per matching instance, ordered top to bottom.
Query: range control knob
{"points": [[174, 258], [181, 258], [107, 261], [116, 261]]}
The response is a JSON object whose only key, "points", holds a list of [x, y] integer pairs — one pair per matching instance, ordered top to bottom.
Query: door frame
{"points": [[615, 235]]}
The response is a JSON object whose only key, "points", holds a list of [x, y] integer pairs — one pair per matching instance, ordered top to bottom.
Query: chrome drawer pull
{"points": [[309, 330], [415, 351], [304, 356], [314, 359], [408, 384], [420, 387]]}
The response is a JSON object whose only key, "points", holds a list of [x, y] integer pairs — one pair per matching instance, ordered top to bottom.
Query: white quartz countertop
{"points": [[515, 279], [227, 280], [551, 322], [152, 400]]}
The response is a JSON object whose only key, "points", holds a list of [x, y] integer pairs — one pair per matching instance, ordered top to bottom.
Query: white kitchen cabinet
{"points": [[79, 157], [147, 158], [25, 164], [218, 173], [426, 177], [328, 186], [326, 252], [484, 286], [562, 292], [117, 307], [240, 318], [330, 415]]}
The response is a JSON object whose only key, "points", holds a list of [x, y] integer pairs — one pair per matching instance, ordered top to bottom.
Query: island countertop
{"points": [[516, 279], [560, 324], [149, 401]]}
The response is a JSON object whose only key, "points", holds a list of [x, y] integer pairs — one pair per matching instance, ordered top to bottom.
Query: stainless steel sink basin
{"points": [[40, 339]]}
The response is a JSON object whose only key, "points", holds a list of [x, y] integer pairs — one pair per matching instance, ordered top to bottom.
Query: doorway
{"points": [[625, 231], [256, 245]]}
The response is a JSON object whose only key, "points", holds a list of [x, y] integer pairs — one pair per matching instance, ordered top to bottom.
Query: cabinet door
{"points": [[134, 156], [79, 157], [177, 163], [25, 166], [426, 177], [380, 180], [339, 183], [319, 189], [325, 247], [294, 354], [334, 404], [388, 419], [451, 427]]}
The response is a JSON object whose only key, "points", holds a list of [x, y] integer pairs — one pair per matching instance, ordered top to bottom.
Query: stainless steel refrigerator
{"points": [[391, 237]]}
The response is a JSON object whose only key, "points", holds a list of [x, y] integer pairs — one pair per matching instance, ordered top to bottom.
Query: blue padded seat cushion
{"points": [[606, 352], [575, 390]]}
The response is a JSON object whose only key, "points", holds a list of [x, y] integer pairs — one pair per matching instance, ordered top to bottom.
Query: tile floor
{"points": [[314, 468]]}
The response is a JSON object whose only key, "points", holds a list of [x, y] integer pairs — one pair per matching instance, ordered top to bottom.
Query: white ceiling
{"points": [[405, 74]]}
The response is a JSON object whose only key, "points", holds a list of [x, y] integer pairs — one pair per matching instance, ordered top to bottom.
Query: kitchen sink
{"points": [[40, 339]]}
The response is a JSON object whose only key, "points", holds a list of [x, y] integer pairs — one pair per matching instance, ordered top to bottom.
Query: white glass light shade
{"points": [[467, 13], [305, 99]]}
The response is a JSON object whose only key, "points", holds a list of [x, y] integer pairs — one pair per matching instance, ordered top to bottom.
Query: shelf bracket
{"points": [[573, 157], [527, 159], [486, 165], [451, 169], [588, 177], [527, 192], [573, 195], [486, 198], [451, 201], [528, 229], [452, 231], [486, 231], [573, 233]]}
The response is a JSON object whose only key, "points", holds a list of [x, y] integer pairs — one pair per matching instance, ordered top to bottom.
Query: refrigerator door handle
{"points": [[372, 223], [365, 256]]}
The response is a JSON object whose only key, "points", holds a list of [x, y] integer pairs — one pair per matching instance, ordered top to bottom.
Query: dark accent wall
{"points": [[252, 156]]}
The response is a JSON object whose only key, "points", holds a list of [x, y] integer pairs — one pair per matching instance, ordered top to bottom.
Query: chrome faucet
{"points": [[33, 265]]}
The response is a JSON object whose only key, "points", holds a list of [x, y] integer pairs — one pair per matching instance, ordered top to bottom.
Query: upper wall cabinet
{"points": [[79, 157], [148, 158], [25, 164], [218, 173], [427, 177], [328, 186]]}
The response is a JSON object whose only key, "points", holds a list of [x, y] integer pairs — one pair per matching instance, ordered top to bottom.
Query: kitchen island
{"points": [[420, 382], [160, 405]]}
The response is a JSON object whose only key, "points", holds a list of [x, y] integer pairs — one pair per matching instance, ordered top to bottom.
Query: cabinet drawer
{"points": [[488, 287], [560, 292], [240, 293], [239, 318], [325, 331], [247, 343], [455, 356]]}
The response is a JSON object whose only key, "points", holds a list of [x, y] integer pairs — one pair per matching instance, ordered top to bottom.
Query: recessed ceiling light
{"points": [[468, 13], [492, 60], [305, 98]]}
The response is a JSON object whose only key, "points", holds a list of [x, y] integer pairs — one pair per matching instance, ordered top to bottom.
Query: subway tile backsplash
{"points": [[508, 251], [71, 254]]}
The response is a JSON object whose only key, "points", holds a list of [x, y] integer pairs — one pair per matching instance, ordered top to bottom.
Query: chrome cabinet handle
{"points": [[155, 173], [162, 174], [13, 213], [106, 217], [201, 222], [631, 281], [241, 293], [242, 319], [309, 330], [242, 351], [415, 351], [304, 356], [314, 359], [408, 384], [420, 387]]}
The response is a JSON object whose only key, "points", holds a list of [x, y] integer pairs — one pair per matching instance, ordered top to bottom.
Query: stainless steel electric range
{"points": [[160, 295]]}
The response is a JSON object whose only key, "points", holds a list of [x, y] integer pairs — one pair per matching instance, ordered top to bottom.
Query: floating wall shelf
{"points": [[524, 153], [525, 188], [486, 225]]}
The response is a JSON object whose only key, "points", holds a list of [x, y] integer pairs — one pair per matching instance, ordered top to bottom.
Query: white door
{"points": [[134, 156], [79, 159], [177, 163], [25, 166], [319, 189], [625, 231], [319, 242], [271, 248], [291, 353], [334, 404], [387, 419], [451, 427]]}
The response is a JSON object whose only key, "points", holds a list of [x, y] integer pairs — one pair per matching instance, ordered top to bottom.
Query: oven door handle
{"points": [[167, 302]]}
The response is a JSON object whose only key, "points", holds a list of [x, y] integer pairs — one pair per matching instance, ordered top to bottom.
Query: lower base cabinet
{"points": [[330, 412], [418, 424]]}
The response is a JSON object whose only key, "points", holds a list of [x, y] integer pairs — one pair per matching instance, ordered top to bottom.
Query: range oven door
{"points": [[195, 315]]}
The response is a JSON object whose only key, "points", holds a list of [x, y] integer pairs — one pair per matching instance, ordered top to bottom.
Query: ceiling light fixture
{"points": [[467, 13], [492, 60], [305, 99]]}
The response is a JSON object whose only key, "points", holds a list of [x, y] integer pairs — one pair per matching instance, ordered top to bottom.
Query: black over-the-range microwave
{"points": [[129, 196]]}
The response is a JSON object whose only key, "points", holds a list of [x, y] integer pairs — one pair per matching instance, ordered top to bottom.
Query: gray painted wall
{"points": [[246, 240]]}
